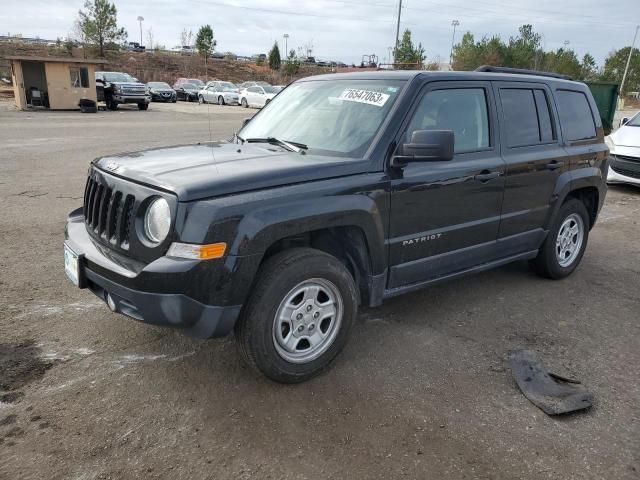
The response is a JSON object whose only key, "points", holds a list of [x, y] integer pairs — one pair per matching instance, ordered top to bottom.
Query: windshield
{"points": [[117, 77], [195, 81], [158, 85], [190, 86], [226, 86], [271, 89], [337, 118], [634, 122]]}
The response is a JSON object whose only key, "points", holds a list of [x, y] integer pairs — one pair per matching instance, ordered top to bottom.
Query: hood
{"points": [[626, 136], [213, 169]]}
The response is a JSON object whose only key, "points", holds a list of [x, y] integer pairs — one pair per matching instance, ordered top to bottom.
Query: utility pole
{"points": [[141, 19], [454, 24], [397, 30], [286, 52], [626, 69]]}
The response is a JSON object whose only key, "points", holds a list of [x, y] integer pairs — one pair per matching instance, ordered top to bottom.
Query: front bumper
{"points": [[160, 97], [120, 98], [624, 171], [163, 302]]}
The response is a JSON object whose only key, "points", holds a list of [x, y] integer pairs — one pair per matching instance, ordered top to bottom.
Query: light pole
{"points": [[140, 19], [454, 24], [286, 52], [395, 52], [390, 60], [626, 69]]}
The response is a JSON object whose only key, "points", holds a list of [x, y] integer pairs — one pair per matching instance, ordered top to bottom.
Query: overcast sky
{"points": [[344, 30]]}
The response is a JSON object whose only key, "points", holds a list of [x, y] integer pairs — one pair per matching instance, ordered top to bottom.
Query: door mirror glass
{"points": [[624, 121], [427, 146]]}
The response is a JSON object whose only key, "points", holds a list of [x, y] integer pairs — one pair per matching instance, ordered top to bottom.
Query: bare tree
{"points": [[186, 37], [150, 39], [308, 48]]}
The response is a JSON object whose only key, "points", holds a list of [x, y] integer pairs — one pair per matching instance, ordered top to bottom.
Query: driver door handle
{"points": [[554, 165], [486, 175]]}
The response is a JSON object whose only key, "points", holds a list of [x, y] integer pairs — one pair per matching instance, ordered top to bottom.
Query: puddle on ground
{"points": [[20, 364]]}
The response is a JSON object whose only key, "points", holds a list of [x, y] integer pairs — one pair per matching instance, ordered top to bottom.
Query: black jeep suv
{"points": [[346, 189]]}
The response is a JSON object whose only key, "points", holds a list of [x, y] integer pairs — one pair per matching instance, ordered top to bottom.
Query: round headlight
{"points": [[157, 220]]}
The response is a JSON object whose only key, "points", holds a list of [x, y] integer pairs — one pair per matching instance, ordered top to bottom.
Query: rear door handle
{"points": [[554, 165], [486, 175]]}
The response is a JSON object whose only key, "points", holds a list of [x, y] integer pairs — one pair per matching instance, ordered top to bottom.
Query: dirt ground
{"points": [[422, 390]]}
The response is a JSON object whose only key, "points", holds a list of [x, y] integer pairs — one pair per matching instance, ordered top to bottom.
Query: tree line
{"points": [[525, 50]]}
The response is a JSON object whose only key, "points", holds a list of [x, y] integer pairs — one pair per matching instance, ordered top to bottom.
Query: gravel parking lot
{"points": [[422, 390]]}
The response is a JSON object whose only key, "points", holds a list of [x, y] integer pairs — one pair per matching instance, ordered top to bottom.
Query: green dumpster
{"points": [[606, 97]]}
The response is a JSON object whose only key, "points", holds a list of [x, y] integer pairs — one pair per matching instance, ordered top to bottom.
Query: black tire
{"points": [[201, 99], [174, 100], [221, 100], [244, 103], [143, 106], [547, 264], [277, 277]]}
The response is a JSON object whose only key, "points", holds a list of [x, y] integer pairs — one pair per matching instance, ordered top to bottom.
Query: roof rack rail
{"points": [[522, 71]]}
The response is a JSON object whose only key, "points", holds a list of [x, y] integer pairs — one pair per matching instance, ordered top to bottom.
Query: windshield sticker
{"points": [[364, 96]]}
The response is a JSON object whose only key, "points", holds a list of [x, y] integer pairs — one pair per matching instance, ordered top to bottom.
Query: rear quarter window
{"points": [[576, 117]]}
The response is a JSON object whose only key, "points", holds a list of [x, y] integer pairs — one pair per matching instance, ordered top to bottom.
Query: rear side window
{"points": [[463, 110], [544, 116], [527, 117], [576, 117]]}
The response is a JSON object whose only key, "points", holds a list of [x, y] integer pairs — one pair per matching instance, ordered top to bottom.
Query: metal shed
{"points": [[57, 83]]}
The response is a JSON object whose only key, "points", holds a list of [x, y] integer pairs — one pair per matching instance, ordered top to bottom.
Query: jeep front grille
{"points": [[107, 213]]}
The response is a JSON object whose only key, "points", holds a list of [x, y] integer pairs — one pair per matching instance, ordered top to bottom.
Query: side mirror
{"points": [[99, 80], [245, 121], [624, 121], [426, 146]]}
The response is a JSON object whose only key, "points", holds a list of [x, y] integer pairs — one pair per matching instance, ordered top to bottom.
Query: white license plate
{"points": [[71, 265]]}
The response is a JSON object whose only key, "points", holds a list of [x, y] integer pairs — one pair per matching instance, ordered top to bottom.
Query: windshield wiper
{"points": [[291, 146]]}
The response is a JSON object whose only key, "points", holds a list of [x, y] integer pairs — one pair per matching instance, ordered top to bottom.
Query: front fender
{"points": [[260, 229]]}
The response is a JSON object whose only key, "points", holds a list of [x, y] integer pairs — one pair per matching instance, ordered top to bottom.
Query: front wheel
{"points": [[200, 99], [220, 100], [244, 103], [143, 106], [566, 242], [299, 315]]}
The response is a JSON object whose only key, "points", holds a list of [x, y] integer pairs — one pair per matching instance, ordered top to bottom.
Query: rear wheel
{"points": [[200, 99], [220, 100], [244, 103], [143, 106], [566, 241], [299, 315]]}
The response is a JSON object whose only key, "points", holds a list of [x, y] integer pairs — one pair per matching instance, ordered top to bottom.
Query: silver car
{"points": [[222, 93]]}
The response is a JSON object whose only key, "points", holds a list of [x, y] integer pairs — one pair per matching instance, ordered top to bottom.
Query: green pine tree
{"points": [[408, 56], [274, 57]]}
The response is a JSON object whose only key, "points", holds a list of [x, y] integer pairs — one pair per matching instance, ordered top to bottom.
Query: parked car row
{"points": [[115, 88]]}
